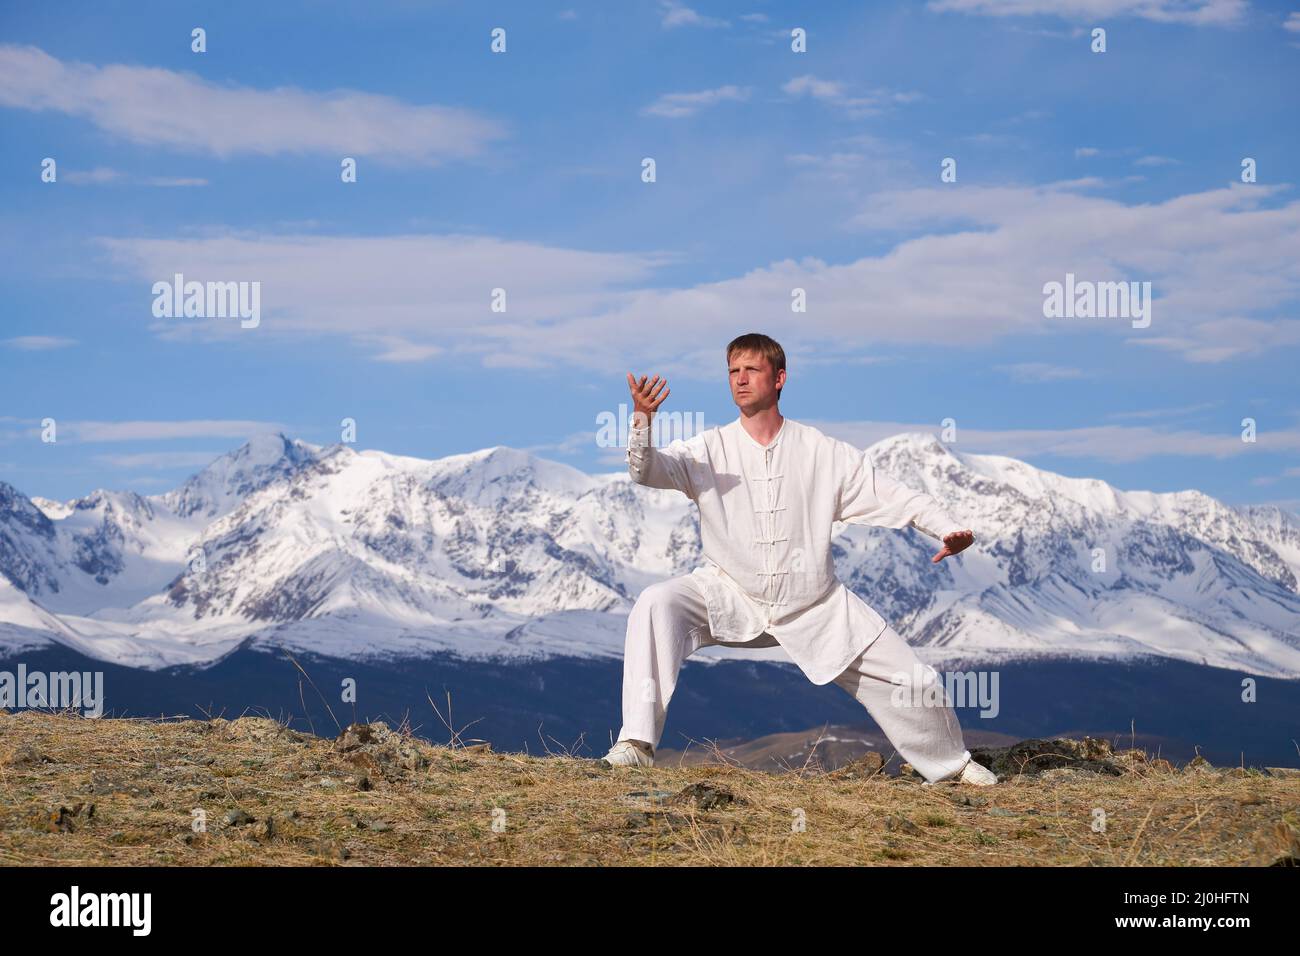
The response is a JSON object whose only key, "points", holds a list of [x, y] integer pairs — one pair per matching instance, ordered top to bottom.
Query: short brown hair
{"points": [[764, 345]]}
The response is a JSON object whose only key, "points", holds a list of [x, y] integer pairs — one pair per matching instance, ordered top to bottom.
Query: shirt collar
{"points": [[775, 438]]}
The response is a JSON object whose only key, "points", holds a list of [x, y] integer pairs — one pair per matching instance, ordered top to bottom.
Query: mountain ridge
{"points": [[364, 552]]}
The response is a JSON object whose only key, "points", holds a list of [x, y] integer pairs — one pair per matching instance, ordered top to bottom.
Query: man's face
{"points": [[753, 381]]}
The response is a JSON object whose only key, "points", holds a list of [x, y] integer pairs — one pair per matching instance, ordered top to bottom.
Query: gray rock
{"points": [[258, 728], [375, 747], [26, 755], [1034, 756], [1198, 764], [864, 768], [706, 796], [239, 818], [897, 824]]}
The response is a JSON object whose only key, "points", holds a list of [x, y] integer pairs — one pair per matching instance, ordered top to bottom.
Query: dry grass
{"points": [[122, 792]]}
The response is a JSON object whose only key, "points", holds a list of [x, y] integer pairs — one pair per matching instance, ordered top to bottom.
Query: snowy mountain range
{"points": [[498, 554]]}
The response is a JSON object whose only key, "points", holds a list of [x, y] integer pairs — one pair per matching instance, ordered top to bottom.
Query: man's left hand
{"points": [[954, 543]]}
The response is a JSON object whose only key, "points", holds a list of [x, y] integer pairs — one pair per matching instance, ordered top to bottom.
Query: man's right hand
{"points": [[646, 397]]}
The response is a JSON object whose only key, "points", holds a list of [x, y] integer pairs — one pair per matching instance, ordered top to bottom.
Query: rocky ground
{"points": [[253, 792]]}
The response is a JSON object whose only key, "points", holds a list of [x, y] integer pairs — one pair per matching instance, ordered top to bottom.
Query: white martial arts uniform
{"points": [[766, 515]]}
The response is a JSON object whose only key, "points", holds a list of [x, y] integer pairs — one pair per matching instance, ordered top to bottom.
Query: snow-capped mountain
{"points": [[225, 483], [498, 553], [1075, 566]]}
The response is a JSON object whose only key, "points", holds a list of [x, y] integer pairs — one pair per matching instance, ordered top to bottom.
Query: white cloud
{"points": [[1195, 12], [675, 14], [1292, 22], [1071, 34], [812, 86], [836, 94], [675, 105], [182, 111], [1028, 116], [994, 139], [1090, 152], [864, 159], [827, 161], [1156, 161], [103, 174], [84, 177], [174, 181], [1218, 262], [1221, 264], [420, 291], [1228, 338], [38, 343], [398, 349], [1035, 372], [1165, 412], [91, 431], [1109, 443], [574, 444], [161, 459]]}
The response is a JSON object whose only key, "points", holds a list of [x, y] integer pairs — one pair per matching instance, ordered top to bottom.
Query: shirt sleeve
{"points": [[669, 467], [869, 496]]}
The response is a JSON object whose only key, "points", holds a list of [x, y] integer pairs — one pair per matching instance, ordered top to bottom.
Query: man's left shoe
{"points": [[627, 754]]}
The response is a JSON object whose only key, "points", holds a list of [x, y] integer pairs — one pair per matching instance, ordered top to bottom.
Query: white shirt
{"points": [[766, 515]]}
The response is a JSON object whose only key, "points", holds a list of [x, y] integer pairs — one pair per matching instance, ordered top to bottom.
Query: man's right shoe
{"points": [[627, 754], [975, 774], [978, 774]]}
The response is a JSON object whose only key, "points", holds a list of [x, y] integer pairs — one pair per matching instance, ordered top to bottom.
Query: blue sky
{"points": [[775, 170]]}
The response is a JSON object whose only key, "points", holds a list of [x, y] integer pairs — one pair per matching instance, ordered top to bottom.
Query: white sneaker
{"points": [[627, 754], [973, 773], [978, 774]]}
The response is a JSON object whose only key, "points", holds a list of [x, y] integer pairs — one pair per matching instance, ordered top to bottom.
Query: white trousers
{"points": [[669, 622]]}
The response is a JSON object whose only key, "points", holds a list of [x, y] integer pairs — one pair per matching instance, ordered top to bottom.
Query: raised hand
{"points": [[646, 397], [954, 543]]}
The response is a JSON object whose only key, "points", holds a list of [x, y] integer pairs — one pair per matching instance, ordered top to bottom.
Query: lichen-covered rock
{"points": [[260, 728], [378, 749], [24, 755], [1034, 756], [864, 768], [1069, 775], [706, 796], [899, 824], [1279, 845]]}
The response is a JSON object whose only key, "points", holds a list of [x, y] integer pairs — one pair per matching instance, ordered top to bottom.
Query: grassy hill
{"points": [[122, 792]]}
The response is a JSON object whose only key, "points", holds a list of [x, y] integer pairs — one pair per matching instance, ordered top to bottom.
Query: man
{"points": [[768, 491]]}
